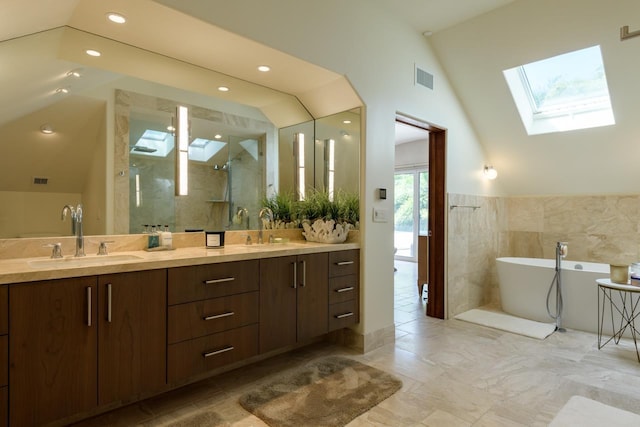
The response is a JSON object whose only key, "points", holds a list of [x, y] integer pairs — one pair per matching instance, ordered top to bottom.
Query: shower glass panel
{"points": [[246, 181]]}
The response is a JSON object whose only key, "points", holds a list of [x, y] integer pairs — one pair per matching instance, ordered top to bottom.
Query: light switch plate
{"points": [[380, 215]]}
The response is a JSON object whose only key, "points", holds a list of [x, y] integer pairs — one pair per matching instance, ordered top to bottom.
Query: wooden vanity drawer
{"points": [[342, 263], [201, 282], [343, 288], [4, 310], [343, 314], [196, 319], [200, 355]]}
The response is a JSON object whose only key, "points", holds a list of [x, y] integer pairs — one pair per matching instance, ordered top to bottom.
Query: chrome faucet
{"points": [[264, 212], [242, 214], [76, 226]]}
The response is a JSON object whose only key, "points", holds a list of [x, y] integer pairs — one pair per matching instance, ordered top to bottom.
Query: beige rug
{"points": [[508, 323], [328, 392], [583, 412]]}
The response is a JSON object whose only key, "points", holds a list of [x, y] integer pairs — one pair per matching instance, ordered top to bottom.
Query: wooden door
{"points": [[437, 237], [278, 286], [313, 296], [132, 340], [53, 344]]}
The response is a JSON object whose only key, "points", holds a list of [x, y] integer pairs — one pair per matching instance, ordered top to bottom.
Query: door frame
{"points": [[436, 301]]}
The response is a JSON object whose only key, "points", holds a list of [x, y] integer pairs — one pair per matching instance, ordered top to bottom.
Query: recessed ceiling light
{"points": [[116, 17], [92, 52], [264, 68], [75, 73], [223, 89], [62, 90], [346, 122], [46, 128], [171, 128], [218, 136]]}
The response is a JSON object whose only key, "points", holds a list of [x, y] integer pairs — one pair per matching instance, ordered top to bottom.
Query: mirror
{"points": [[321, 154], [88, 158]]}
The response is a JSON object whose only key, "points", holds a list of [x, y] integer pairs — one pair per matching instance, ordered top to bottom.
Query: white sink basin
{"points": [[72, 261]]}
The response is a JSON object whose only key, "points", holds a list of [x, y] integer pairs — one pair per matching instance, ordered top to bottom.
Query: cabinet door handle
{"points": [[344, 263], [304, 274], [295, 275], [226, 279], [347, 289], [109, 302], [89, 306], [219, 316], [342, 316], [213, 353]]}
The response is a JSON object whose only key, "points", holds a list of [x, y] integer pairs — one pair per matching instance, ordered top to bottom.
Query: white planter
{"points": [[322, 231]]}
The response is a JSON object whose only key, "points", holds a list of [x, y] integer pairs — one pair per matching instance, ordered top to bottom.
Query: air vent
{"points": [[424, 78], [39, 180]]}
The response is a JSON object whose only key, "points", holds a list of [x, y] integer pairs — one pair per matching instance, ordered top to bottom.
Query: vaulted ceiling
{"points": [[475, 40]]}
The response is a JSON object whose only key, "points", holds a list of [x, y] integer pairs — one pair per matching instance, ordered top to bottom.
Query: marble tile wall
{"points": [[602, 229], [474, 236]]}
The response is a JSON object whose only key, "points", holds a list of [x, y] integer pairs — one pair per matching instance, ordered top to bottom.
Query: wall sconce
{"points": [[182, 153], [490, 172]]}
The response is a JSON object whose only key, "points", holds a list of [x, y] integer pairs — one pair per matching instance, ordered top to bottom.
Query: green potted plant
{"points": [[284, 209], [328, 218]]}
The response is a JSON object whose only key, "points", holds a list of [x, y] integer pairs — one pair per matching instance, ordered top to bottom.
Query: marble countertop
{"points": [[44, 268]]}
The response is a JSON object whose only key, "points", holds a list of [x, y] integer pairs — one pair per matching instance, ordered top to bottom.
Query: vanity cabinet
{"points": [[344, 289], [293, 299], [213, 317], [132, 334], [79, 343], [53, 350], [4, 355]]}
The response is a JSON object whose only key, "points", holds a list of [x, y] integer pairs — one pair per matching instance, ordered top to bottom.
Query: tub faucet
{"points": [[265, 214], [76, 226]]}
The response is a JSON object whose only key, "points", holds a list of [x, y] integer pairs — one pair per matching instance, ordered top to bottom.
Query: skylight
{"points": [[562, 93], [154, 143], [202, 150]]}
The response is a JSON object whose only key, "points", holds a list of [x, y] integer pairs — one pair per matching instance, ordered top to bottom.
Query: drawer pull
{"points": [[344, 263], [295, 275], [213, 281], [350, 288], [109, 300], [89, 306], [219, 316], [342, 316], [213, 353]]}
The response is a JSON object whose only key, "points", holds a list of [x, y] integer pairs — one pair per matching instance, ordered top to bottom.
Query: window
{"points": [[562, 93]]}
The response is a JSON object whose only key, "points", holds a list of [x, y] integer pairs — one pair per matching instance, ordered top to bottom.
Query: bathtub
{"points": [[524, 283]]}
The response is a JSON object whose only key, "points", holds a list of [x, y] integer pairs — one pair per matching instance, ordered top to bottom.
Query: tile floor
{"points": [[454, 374]]}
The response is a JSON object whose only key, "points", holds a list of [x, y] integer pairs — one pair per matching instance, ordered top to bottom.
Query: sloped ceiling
{"points": [[592, 161]]}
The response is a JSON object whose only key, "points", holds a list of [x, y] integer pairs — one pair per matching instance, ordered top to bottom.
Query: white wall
{"points": [[377, 54], [412, 154], [591, 161]]}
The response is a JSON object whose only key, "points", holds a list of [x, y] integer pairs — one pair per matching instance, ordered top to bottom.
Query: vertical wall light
{"points": [[182, 153], [298, 155], [330, 162], [138, 201]]}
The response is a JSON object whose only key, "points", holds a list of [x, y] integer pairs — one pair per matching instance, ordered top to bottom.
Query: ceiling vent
{"points": [[423, 78], [39, 180]]}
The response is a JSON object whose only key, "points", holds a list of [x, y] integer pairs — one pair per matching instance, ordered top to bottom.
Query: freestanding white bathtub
{"points": [[524, 283]]}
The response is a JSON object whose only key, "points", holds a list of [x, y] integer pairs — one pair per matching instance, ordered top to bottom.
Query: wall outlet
{"points": [[380, 215]]}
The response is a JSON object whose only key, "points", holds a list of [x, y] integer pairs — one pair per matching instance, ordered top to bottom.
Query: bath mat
{"points": [[508, 323], [328, 392], [583, 412]]}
